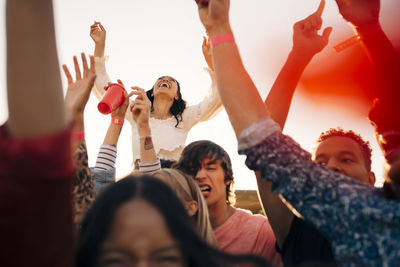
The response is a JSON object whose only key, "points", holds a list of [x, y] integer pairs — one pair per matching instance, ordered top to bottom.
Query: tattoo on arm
{"points": [[148, 143]]}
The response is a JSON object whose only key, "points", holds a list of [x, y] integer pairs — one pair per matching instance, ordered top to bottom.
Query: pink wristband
{"points": [[222, 38], [117, 121], [79, 136]]}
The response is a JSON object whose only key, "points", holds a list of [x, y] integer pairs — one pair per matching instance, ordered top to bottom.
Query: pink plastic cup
{"points": [[112, 99]]}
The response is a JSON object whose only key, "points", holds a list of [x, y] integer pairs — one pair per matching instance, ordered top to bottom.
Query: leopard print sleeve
{"points": [[83, 191]]}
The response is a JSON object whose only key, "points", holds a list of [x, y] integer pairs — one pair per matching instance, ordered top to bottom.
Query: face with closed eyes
{"points": [[166, 86], [344, 155], [211, 179], [139, 236]]}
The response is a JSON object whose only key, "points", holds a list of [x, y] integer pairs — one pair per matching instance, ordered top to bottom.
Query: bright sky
{"points": [[148, 39]]}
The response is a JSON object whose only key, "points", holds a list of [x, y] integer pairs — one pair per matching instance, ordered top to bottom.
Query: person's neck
{"points": [[161, 107], [220, 213]]}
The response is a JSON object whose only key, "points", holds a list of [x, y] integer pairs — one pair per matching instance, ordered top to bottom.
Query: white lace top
{"points": [[168, 140]]}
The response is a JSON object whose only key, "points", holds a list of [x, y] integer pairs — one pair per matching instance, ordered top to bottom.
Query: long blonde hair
{"points": [[187, 190]]}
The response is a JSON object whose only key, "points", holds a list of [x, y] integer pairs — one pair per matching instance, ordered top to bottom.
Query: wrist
{"points": [[223, 28], [370, 29], [100, 43], [300, 57], [77, 118], [117, 121], [144, 130], [79, 136]]}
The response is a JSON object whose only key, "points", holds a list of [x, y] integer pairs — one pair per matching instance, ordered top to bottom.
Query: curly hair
{"points": [[178, 106], [364, 145], [192, 158]]}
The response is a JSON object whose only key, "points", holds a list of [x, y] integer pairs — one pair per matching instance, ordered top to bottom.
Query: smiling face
{"points": [[166, 86], [344, 155], [211, 180], [139, 237]]}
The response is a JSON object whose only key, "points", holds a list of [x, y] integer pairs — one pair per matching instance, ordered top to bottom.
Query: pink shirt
{"points": [[244, 233]]}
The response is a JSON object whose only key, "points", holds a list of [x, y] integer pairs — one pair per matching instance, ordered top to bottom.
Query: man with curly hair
{"points": [[347, 153]]}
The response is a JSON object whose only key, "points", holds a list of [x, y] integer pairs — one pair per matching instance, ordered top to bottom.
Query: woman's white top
{"points": [[168, 140]]}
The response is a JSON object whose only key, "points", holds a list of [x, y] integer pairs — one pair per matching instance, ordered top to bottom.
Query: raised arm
{"points": [[364, 17], [98, 35], [306, 44], [33, 78], [237, 91], [78, 93], [77, 96], [211, 103], [140, 109], [117, 121], [36, 167], [104, 171]]}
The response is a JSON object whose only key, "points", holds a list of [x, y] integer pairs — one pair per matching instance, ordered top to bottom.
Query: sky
{"points": [[148, 39]]}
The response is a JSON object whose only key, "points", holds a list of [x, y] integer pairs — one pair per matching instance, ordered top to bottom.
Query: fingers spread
{"points": [[85, 65], [92, 68], [77, 69], [67, 74], [142, 92], [130, 94]]}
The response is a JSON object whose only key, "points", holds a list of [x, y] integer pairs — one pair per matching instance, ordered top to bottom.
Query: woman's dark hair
{"points": [[178, 106], [97, 223]]}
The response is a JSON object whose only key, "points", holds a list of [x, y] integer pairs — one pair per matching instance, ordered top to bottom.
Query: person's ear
{"points": [[371, 178], [192, 207]]}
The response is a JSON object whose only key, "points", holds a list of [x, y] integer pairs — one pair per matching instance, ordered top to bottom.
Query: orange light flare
{"points": [[347, 76]]}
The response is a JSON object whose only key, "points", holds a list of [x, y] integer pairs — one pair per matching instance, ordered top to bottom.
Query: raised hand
{"points": [[360, 12], [214, 15], [97, 32], [306, 40], [207, 52], [78, 92], [141, 107], [120, 112]]}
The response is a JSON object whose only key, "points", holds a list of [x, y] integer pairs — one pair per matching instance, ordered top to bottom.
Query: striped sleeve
{"points": [[106, 157], [149, 168]]}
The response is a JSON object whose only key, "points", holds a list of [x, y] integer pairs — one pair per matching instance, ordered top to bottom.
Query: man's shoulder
{"points": [[246, 216]]}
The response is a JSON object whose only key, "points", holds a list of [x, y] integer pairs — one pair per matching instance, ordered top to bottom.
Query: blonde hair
{"points": [[187, 190]]}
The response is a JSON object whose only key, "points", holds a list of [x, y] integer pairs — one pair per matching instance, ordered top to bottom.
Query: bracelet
{"points": [[222, 38], [347, 43], [117, 121], [79, 136], [145, 136]]}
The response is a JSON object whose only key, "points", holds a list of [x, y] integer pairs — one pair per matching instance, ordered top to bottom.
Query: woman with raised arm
{"points": [[170, 118]]}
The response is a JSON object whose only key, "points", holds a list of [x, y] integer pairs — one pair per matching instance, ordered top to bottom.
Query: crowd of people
{"points": [[177, 207]]}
